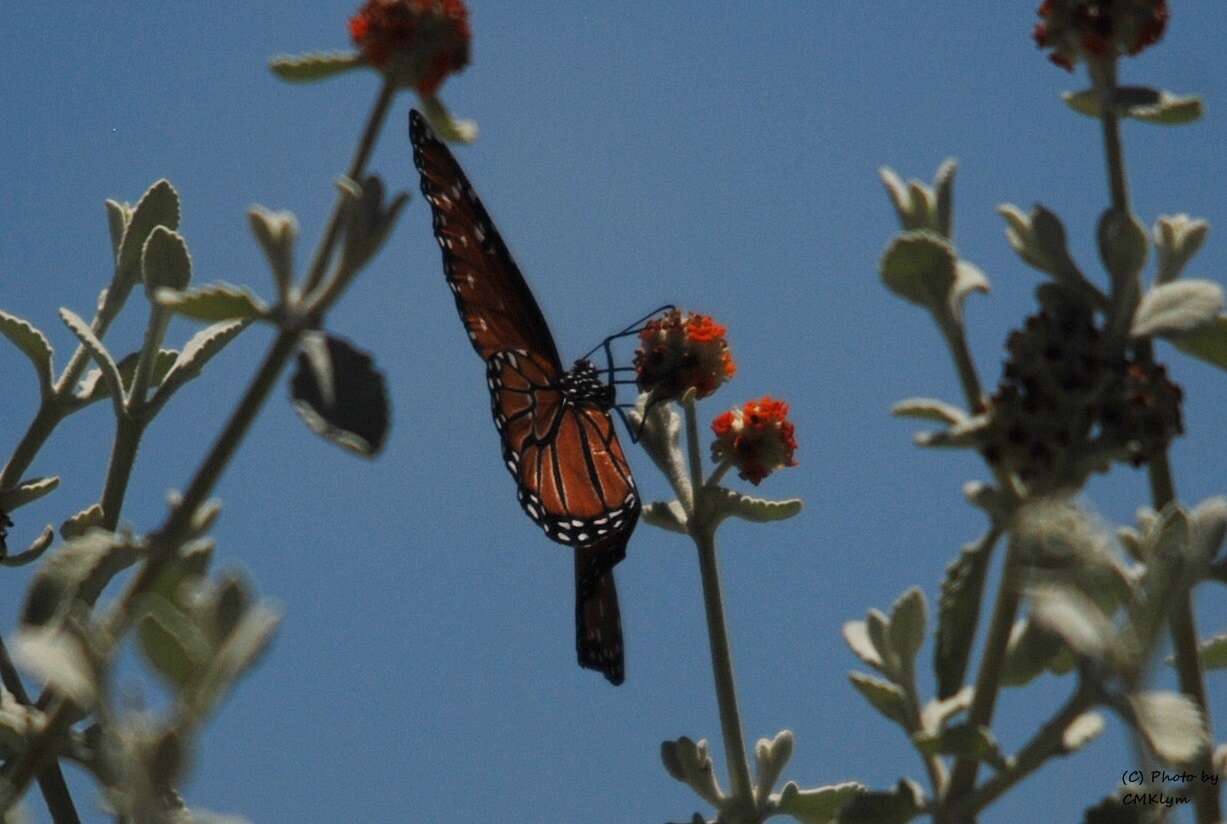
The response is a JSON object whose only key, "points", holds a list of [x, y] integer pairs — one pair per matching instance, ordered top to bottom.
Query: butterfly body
{"points": [[558, 439]]}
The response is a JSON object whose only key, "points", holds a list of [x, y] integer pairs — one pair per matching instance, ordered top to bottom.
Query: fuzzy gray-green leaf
{"points": [[308, 68], [1141, 103], [943, 186], [159, 206], [118, 215], [276, 233], [1177, 239], [165, 261], [919, 266], [213, 302], [1177, 308], [33, 343], [1207, 343], [199, 350], [110, 371], [92, 387], [929, 409], [27, 491], [758, 510], [666, 515], [80, 523], [78, 570], [907, 624], [856, 634], [172, 642], [1213, 652], [60, 660], [884, 696], [1172, 725], [1081, 731], [964, 741], [820, 805], [896, 806]]}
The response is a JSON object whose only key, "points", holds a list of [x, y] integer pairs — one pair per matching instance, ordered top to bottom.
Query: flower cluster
{"points": [[1098, 28], [420, 42], [677, 353], [1063, 395], [757, 438]]}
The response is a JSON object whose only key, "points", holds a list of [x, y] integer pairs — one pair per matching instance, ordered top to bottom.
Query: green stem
{"points": [[374, 124], [952, 331], [49, 415], [127, 442], [692, 450], [166, 539], [722, 669], [988, 680], [1046, 743], [51, 781]]}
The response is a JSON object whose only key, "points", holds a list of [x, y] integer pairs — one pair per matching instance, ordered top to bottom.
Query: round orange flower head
{"points": [[1097, 28], [419, 42], [679, 352], [757, 438]]}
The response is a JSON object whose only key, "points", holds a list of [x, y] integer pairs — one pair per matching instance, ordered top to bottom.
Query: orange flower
{"points": [[1074, 29], [419, 41], [676, 353], [757, 438]]}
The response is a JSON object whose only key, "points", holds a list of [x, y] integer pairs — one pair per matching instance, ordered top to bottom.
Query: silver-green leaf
{"points": [[308, 68], [165, 261], [919, 266], [214, 302], [1177, 308], [33, 343], [820, 805]]}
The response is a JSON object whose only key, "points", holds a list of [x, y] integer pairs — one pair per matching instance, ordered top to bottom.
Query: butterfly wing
{"points": [[495, 304], [572, 476]]}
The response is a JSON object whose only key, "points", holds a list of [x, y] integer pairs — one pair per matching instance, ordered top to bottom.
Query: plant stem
{"points": [[374, 124], [696, 459], [1162, 486], [165, 540], [722, 668], [988, 680], [1045, 744], [51, 781]]}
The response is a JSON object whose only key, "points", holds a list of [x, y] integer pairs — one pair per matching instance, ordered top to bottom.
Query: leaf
{"points": [[308, 68], [1140, 103], [449, 128], [943, 185], [899, 197], [159, 206], [118, 215], [276, 233], [1177, 239], [165, 261], [919, 267], [969, 278], [213, 302], [1178, 307], [26, 337], [1209, 343], [196, 354], [110, 372], [93, 388], [340, 395], [929, 409], [969, 434], [27, 491], [756, 510], [670, 516], [79, 524], [34, 551], [78, 570], [229, 604], [1074, 617], [907, 625], [877, 626], [856, 634], [247, 641], [172, 643], [1031, 650], [1213, 652], [60, 660], [884, 696], [938, 711], [18, 723], [1172, 725], [1081, 731], [963, 741], [770, 758], [902, 804], [820, 805], [1112, 810]]}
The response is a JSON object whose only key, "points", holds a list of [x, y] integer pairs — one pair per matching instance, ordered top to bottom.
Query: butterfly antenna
{"points": [[634, 329]]}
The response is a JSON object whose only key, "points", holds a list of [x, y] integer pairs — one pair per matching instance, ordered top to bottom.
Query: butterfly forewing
{"points": [[495, 303], [558, 438]]}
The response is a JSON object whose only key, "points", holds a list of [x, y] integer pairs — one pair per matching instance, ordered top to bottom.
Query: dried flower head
{"points": [[1076, 29], [418, 42], [677, 353], [757, 438]]}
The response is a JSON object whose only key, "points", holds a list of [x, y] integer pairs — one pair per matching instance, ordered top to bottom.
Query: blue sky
{"points": [[719, 156]]}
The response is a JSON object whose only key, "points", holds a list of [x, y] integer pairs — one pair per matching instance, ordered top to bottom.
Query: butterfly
{"points": [[558, 438]]}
